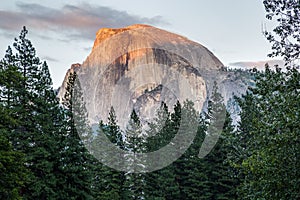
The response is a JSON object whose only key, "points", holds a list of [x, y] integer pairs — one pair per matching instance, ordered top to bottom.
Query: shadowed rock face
{"points": [[139, 66]]}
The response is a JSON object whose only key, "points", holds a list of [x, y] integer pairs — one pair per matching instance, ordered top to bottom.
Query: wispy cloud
{"points": [[79, 21], [47, 58], [257, 64]]}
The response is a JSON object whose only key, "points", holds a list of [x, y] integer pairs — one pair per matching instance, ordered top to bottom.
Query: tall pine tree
{"points": [[28, 94], [134, 143], [76, 165], [109, 182], [161, 184]]}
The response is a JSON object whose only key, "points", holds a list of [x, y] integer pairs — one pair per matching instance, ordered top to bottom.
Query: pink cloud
{"points": [[82, 20]]}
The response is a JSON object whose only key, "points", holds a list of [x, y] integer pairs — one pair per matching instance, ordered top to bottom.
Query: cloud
{"points": [[79, 21], [47, 58], [257, 64]]}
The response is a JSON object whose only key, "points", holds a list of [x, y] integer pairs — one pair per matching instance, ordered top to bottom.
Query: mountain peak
{"points": [[104, 33], [139, 66]]}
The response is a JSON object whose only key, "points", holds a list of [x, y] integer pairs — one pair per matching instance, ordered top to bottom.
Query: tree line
{"points": [[42, 155]]}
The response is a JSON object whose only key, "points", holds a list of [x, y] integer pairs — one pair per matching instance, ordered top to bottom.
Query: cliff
{"points": [[139, 66]]}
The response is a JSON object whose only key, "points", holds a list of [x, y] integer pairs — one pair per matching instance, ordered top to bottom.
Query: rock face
{"points": [[139, 66]]}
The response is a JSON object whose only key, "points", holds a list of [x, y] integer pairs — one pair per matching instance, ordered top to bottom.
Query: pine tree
{"points": [[10, 79], [28, 94], [135, 143], [76, 165], [187, 167], [13, 172], [192, 176], [110, 182], [161, 184], [219, 184]]}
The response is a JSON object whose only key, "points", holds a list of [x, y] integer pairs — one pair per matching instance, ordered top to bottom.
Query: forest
{"points": [[42, 155]]}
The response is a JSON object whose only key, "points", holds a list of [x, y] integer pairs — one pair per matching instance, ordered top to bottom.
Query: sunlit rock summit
{"points": [[139, 66]]}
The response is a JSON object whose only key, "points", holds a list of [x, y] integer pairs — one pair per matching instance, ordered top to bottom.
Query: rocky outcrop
{"points": [[139, 66], [62, 89]]}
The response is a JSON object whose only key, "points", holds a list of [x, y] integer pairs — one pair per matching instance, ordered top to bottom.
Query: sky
{"points": [[63, 32]]}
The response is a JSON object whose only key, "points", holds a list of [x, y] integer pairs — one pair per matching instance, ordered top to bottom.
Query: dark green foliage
{"points": [[285, 37], [28, 95], [114, 133], [270, 136], [134, 143], [43, 145], [55, 160], [76, 164], [187, 166], [13, 173], [215, 180], [220, 182], [109, 183], [161, 184]]}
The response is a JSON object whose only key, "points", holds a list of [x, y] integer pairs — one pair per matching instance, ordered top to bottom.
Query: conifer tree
{"points": [[31, 100], [135, 143], [76, 165], [187, 166], [13, 172], [110, 182], [161, 184], [218, 184]]}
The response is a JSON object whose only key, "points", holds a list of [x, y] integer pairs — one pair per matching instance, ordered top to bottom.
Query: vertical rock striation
{"points": [[139, 66]]}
